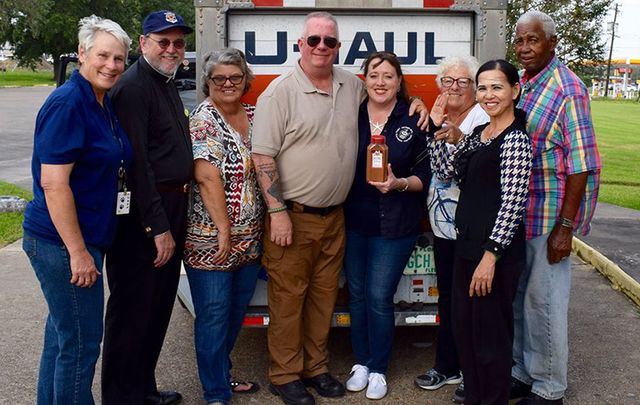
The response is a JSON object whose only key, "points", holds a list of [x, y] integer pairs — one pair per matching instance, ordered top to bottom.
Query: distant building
{"points": [[6, 51], [623, 80]]}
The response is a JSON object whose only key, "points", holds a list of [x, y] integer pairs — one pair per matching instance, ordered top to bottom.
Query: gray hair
{"points": [[322, 15], [548, 25], [90, 26], [226, 56], [466, 62]]}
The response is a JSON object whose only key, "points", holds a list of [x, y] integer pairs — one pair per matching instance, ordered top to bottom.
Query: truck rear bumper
{"points": [[257, 316]]}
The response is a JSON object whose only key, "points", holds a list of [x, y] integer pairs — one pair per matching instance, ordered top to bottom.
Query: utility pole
{"points": [[613, 35]]}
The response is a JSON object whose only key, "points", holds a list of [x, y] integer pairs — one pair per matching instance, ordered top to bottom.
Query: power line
{"points": [[613, 35]]}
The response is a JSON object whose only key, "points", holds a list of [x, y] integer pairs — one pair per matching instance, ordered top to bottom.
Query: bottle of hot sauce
{"points": [[377, 158]]}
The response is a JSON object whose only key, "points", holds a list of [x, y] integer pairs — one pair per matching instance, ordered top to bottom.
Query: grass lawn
{"points": [[26, 77], [617, 124], [11, 222]]}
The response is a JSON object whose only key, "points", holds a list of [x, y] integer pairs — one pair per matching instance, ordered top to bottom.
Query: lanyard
{"points": [[122, 173]]}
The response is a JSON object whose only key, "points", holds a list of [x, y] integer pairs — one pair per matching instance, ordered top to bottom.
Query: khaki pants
{"points": [[303, 285]]}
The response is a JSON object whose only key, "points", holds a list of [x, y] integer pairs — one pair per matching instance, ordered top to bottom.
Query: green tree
{"points": [[578, 24], [50, 27]]}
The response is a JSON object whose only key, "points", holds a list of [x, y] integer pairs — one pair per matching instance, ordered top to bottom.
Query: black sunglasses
{"points": [[314, 40], [164, 43], [221, 80]]}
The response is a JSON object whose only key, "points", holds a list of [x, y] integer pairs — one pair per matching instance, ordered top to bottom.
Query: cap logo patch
{"points": [[170, 17]]}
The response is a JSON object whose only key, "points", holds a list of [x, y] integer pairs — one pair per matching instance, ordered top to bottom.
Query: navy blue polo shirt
{"points": [[72, 127], [395, 214]]}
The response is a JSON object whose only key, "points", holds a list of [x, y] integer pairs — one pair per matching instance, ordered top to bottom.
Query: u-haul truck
{"points": [[420, 32]]}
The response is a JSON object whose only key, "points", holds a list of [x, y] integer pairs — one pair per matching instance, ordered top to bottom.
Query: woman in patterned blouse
{"points": [[492, 166], [224, 229]]}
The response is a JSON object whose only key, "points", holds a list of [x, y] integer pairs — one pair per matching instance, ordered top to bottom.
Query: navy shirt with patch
{"points": [[72, 127], [394, 214]]}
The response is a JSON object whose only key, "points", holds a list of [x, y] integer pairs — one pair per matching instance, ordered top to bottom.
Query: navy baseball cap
{"points": [[164, 20]]}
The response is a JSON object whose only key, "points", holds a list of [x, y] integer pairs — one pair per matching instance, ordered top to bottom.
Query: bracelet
{"points": [[406, 186], [276, 210], [565, 222]]}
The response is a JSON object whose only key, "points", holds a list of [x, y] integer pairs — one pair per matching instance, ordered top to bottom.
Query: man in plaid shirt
{"points": [[562, 198]]}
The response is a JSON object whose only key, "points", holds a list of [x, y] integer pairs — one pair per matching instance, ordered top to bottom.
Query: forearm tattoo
{"points": [[270, 181]]}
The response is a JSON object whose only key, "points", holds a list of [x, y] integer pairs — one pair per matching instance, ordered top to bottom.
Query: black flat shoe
{"points": [[325, 385], [518, 389], [293, 393], [163, 398], [533, 399]]}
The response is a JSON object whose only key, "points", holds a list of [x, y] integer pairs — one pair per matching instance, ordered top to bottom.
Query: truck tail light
{"points": [[258, 320]]}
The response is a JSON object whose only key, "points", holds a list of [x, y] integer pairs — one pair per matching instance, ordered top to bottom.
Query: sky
{"points": [[627, 41]]}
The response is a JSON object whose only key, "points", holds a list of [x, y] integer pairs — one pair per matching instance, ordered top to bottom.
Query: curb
{"points": [[620, 280]]}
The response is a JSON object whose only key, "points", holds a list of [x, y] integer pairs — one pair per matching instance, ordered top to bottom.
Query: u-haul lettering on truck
{"points": [[270, 42], [361, 46]]}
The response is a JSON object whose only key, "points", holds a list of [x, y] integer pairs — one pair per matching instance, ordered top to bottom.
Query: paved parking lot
{"points": [[18, 110], [604, 324], [603, 367]]}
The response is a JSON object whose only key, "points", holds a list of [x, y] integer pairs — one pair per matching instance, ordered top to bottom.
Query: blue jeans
{"points": [[373, 266], [220, 300], [73, 331], [540, 346]]}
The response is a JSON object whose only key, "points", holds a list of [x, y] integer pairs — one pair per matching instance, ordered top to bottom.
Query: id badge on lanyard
{"points": [[123, 199], [123, 204]]}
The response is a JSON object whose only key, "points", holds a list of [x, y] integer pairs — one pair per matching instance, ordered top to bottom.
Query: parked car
{"points": [[185, 76]]}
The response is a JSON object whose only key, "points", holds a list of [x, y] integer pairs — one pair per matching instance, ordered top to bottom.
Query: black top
{"points": [[153, 116], [494, 183], [394, 214]]}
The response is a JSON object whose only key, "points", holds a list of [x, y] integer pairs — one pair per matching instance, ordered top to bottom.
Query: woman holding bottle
{"points": [[382, 218]]}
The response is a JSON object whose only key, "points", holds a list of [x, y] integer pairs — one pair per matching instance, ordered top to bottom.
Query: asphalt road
{"points": [[18, 110], [616, 233], [603, 336]]}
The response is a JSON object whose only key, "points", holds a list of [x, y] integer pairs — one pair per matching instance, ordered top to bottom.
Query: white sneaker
{"points": [[359, 378], [377, 386]]}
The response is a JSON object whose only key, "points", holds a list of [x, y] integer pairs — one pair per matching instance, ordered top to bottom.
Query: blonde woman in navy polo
{"points": [[79, 150]]}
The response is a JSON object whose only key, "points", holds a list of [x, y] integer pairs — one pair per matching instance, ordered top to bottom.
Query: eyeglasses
{"points": [[314, 40], [164, 43], [221, 80], [463, 82]]}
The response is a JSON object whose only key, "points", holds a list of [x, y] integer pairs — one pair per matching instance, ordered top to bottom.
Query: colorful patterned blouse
{"points": [[564, 143], [220, 144]]}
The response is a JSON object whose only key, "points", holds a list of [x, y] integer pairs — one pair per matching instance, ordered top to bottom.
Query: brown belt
{"points": [[173, 188], [297, 207]]}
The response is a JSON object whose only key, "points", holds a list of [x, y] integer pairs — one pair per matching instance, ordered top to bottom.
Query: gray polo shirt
{"points": [[312, 135]]}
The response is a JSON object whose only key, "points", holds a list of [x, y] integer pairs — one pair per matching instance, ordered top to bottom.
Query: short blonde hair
{"points": [[89, 26]]}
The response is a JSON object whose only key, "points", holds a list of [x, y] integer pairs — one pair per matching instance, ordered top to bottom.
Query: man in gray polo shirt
{"points": [[304, 149]]}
